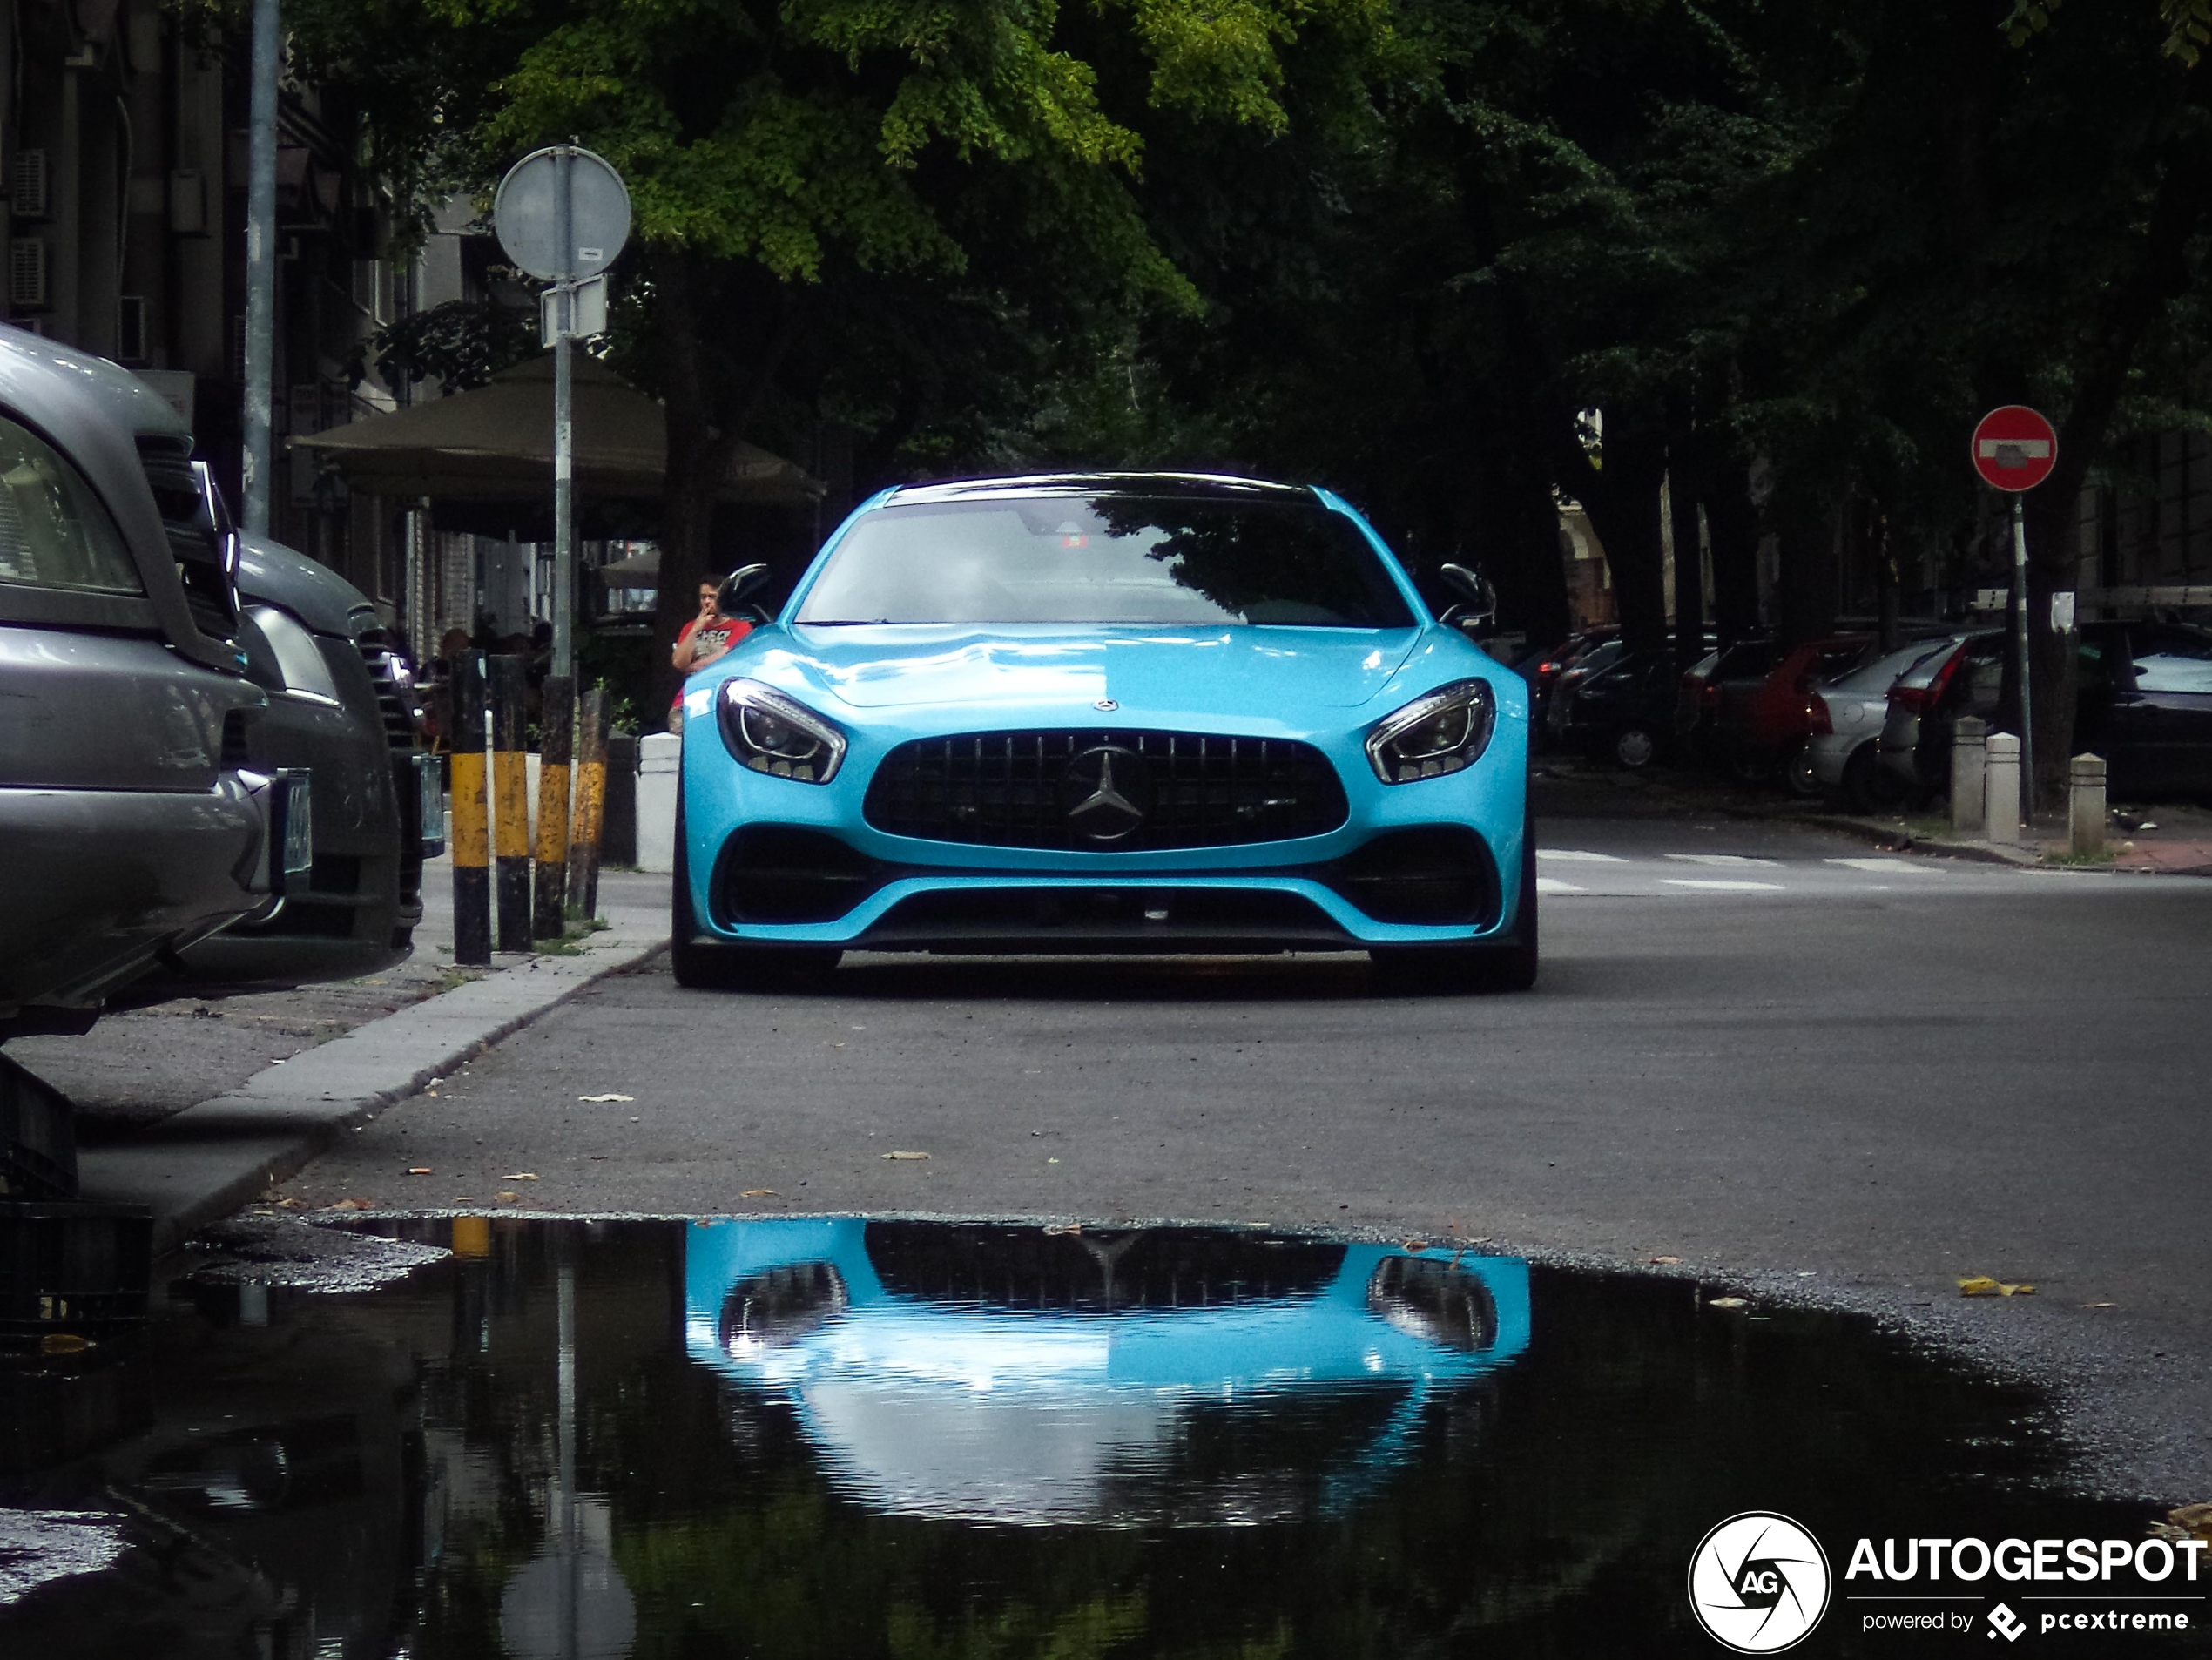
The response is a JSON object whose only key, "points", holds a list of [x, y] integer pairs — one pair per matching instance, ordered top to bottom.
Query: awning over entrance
{"points": [[495, 444]]}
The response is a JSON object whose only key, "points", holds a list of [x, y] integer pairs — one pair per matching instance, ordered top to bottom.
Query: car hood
{"points": [[1158, 672]]}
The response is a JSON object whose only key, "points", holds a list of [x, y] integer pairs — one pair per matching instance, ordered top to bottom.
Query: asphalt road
{"points": [[1765, 1051]]}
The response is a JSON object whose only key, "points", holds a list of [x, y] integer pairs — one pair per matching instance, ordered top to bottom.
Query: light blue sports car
{"points": [[1105, 712]]}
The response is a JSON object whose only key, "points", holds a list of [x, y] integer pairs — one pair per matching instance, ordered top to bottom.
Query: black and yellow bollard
{"points": [[555, 722], [591, 801], [510, 806], [471, 831]]}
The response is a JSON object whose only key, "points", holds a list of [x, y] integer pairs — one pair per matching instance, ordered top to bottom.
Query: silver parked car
{"points": [[1848, 712], [130, 825]]}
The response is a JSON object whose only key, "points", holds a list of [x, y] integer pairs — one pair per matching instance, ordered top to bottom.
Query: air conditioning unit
{"points": [[28, 186], [28, 265], [130, 344]]}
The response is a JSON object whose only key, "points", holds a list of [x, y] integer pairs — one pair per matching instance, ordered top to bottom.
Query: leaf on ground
{"points": [[601, 1100], [906, 1155], [420, 1170], [521, 1175], [760, 1193], [509, 1198], [354, 1204], [292, 1205], [1063, 1227], [1665, 1259], [1983, 1285], [1729, 1302], [2100, 1304], [63, 1343], [2187, 1521]]}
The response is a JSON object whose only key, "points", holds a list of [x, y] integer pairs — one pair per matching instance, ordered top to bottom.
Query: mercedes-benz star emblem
{"points": [[1106, 793]]}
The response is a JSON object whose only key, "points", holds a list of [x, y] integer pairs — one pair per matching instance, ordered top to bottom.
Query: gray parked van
{"points": [[132, 824]]}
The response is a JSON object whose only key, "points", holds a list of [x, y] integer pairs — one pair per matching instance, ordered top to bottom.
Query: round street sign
{"points": [[526, 208], [2014, 448]]}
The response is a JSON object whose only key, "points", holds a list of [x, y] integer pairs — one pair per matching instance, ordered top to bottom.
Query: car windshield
{"points": [[1107, 558]]}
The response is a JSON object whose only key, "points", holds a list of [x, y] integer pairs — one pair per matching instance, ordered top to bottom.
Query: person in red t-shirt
{"points": [[706, 638]]}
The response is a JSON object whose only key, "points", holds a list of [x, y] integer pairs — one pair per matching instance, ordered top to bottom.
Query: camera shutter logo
{"points": [[1759, 1583]]}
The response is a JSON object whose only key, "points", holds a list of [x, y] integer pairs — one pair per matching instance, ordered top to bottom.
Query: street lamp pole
{"points": [[260, 267]]}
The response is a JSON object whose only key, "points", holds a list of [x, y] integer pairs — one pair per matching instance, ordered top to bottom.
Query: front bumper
{"points": [[1343, 890]]}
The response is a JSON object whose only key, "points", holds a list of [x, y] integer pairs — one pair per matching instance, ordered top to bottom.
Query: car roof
{"points": [[1200, 486]]}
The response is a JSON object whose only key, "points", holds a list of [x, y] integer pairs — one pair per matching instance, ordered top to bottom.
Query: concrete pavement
{"points": [[1768, 1052], [205, 1161]]}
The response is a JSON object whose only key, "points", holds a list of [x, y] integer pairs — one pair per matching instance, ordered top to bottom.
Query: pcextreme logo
{"points": [[1759, 1583]]}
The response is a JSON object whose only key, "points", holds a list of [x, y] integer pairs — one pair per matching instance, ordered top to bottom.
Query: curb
{"points": [[1891, 840], [208, 1160]]}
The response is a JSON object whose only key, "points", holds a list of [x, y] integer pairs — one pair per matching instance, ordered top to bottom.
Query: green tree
{"points": [[818, 184]]}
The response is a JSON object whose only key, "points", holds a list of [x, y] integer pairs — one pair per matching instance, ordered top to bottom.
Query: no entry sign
{"points": [[2014, 448]]}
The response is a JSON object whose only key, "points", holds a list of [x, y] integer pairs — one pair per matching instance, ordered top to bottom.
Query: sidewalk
{"points": [[2160, 840], [194, 1113]]}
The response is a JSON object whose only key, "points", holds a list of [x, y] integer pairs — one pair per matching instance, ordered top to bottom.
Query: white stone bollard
{"points": [[660, 765], [2002, 772], [1969, 779], [2085, 806]]}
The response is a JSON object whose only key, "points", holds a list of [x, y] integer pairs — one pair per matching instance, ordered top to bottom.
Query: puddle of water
{"points": [[802, 1437]]}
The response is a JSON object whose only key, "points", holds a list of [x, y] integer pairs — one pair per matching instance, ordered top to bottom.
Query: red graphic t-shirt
{"points": [[717, 634]]}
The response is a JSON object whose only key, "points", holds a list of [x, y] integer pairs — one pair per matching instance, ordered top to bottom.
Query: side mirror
{"points": [[746, 579], [1481, 610]]}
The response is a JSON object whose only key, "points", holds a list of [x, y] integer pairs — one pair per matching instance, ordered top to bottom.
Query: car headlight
{"points": [[1446, 731], [770, 733]]}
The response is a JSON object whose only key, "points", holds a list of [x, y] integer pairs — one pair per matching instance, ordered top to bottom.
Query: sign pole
{"points": [[564, 429], [2014, 448], [2027, 704]]}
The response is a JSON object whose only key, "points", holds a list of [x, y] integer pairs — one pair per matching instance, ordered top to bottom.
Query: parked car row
{"points": [[2142, 701], [1873, 729], [208, 771]]}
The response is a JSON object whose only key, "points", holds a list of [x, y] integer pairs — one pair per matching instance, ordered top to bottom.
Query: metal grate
{"points": [[1194, 789]]}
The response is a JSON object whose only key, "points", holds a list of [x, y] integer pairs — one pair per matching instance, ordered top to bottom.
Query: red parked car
{"points": [[1762, 724]]}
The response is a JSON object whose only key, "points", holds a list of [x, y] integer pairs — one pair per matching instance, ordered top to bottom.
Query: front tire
{"points": [[1635, 746], [1798, 776], [704, 966], [1404, 970]]}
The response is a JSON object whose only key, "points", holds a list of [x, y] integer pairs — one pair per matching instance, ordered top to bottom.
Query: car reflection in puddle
{"points": [[1003, 1374], [823, 1439]]}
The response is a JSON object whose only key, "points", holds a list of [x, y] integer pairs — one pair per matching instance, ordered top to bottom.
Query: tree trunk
{"points": [[2136, 304], [700, 446], [1685, 486], [1622, 497], [687, 509], [1733, 524], [1806, 526], [1513, 533], [1885, 578]]}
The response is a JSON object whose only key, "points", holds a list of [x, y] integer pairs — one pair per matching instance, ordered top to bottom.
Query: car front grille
{"points": [[194, 544], [380, 652], [382, 657], [1027, 789]]}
